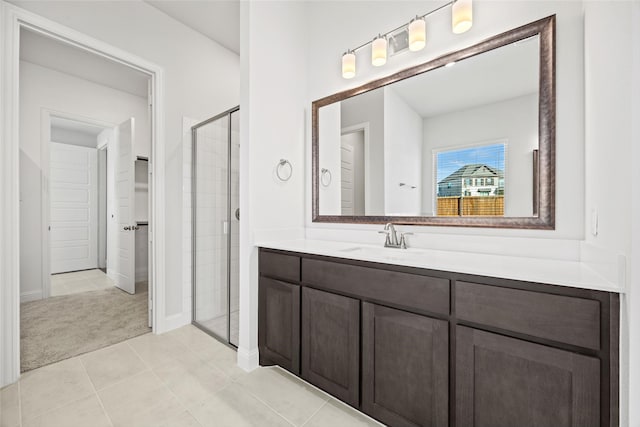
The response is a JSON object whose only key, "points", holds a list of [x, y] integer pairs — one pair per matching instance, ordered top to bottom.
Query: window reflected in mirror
{"points": [[470, 180]]}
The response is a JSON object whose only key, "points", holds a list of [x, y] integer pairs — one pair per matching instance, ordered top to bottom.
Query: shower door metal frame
{"points": [[194, 141]]}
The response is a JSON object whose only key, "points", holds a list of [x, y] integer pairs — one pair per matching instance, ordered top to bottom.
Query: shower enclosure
{"points": [[215, 222]]}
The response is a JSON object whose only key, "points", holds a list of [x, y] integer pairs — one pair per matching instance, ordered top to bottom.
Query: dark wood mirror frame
{"points": [[544, 177]]}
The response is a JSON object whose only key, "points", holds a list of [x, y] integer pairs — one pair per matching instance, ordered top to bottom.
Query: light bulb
{"points": [[461, 16], [417, 34], [379, 51], [348, 65]]}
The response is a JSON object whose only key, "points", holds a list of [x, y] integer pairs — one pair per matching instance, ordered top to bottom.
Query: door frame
{"points": [[13, 19], [45, 139]]}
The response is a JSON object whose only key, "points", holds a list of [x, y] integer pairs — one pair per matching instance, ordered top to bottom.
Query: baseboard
{"points": [[142, 275], [30, 296], [248, 359]]}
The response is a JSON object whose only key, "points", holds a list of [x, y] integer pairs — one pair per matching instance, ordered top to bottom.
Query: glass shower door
{"points": [[215, 198]]}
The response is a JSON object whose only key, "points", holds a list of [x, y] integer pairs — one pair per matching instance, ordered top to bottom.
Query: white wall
{"points": [[353, 22], [201, 79], [43, 88], [368, 108], [513, 121], [272, 126], [68, 136], [612, 137], [402, 157], [329, 158], [633, 302]]}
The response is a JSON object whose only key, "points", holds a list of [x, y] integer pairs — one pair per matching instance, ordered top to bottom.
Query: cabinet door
{"points": [[279, 324], [331, 343], [405, 372], [506, 382]]}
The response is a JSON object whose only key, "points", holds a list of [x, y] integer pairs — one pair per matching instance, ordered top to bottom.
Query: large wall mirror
{"points": [[467, 139]]}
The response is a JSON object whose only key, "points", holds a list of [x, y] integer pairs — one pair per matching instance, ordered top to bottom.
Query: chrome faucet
{"points": [[391, 240]]}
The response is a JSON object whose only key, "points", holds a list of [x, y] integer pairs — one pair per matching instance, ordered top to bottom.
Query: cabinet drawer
{"points": [[286, 267], [408, 290], [559, 318]]}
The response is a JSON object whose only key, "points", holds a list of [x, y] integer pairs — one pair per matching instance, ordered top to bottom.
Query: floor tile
{"points": [[79, 281], [197, 340], [156, 350], [227, 361], [112, 364], [192, 382], [52, 387], [292, 398], [140, 401], [10, 406], [234, 407], [83, 413], [335, 413], [184, 419]]}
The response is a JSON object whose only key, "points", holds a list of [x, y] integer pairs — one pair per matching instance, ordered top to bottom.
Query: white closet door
{"points": [[347, 185], [73, 197], [121, 222]]}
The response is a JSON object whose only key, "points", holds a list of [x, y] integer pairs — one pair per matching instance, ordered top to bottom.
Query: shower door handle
{"points": [[238, 214]]}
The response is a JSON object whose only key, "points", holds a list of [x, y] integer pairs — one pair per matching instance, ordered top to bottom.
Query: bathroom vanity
{"points": [[418, 337], [415, 346]]}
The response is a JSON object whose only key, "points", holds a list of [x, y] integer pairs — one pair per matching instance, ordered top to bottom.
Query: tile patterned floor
{"points": [[79, 281], [180, 379]]}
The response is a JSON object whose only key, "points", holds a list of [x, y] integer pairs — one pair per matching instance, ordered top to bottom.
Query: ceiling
{"points": [[218, 20], [62, 57], [500, 74], [76, 127]]}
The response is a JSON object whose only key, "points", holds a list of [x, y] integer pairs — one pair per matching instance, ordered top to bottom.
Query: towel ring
{"points": [[281, 164], [325, 173]]}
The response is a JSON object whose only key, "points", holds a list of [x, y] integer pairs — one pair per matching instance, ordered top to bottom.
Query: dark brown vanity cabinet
{"points": [[279, 311], [279, 324], [331, 343], [414, 347], [405, 367], [506, 382]]}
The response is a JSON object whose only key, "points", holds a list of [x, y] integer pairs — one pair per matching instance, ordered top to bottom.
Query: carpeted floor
{"points": [[57, 328]]}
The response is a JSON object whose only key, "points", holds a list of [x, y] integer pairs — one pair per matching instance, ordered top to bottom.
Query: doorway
{"points": [[16, 21], [216, 225], [95, 272]]}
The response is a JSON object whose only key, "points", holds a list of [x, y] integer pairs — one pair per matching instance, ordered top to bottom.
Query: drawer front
{"points": [[286, 267], [404, 289], [559, 318]]}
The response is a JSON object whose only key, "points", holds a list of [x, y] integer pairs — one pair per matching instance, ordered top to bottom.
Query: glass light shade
{"points": [[461, 16], [417, 34], [379, 51], [348, 65]]}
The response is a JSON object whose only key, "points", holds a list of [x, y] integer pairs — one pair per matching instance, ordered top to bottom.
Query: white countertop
{"points": [[564, 273]]}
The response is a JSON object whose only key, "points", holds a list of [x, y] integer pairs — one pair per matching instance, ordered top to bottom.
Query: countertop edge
{"points": [[573, 274]]}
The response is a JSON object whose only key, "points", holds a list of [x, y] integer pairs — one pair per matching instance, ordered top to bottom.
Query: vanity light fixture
{"points": [[461, 16], [461, 21], [417, 34], [379, 51], [348, 64]]}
